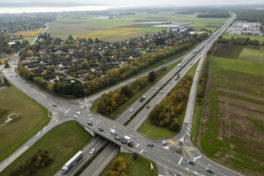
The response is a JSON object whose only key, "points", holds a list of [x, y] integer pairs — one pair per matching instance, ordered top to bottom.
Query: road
{"points": [[67, 109], [186, 128]]}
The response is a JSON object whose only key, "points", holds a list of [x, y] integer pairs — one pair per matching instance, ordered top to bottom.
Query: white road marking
{"points": [[137, 145], [141, 151], [196, 158], [180, 161]]}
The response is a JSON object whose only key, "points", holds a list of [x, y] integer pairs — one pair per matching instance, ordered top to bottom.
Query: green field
{"points": [[123, 27], [252, 37], [33, 117], [230, 121], [152, 131], [62, 142], [138, 167]]}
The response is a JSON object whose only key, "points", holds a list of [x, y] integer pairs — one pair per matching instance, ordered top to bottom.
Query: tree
{"points": [[7, 65], [151, 76]]}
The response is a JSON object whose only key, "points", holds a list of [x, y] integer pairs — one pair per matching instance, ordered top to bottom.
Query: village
{"points": [[54, 59]]}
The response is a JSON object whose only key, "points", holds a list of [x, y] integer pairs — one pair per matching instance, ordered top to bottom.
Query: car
{"points": [[178, 65], [24, 81], [31, 86], [157, 88], [161, 92], [54, 105], [147, 107], [131, 110], [78, 112], [75, 115], [90, 123], [101, 129], [113, 131], [117, 138], [164, 142], [150, 145], [92, 151], [190, 162], [207, 169], [173, 173]]}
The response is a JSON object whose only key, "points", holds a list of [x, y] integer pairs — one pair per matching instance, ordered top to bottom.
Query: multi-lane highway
{"points": [[66, 110]]}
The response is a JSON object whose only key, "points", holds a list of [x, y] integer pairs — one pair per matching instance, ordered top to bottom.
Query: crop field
{"points": [[123, 27], [29, 33], [252, 37], [32, 118], [231, 129], [62, 142]]}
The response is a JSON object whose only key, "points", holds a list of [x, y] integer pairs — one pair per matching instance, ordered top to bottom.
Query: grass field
{"points": [[124, 26], [29, 33], [252, 37], [4, 59], [33, 118], [231, 127], [152, 131], [62, 142], [138, 167]]}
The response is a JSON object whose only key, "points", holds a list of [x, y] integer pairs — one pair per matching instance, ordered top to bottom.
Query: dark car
{"points": [[147, 107], [90, 123], [101, 129], [191, 162], [208, 170]]}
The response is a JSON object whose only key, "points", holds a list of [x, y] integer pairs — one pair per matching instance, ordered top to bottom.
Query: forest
{"points": [[166, 114]]}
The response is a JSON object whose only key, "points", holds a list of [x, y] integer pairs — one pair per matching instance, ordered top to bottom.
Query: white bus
{"points": [[72, 162]]}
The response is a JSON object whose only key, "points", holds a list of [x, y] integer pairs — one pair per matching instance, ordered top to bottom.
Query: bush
{"points": [[41, 159]]}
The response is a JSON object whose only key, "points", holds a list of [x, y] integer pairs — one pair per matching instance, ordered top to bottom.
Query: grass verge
{"points": [[33, 117], [62, 142]]}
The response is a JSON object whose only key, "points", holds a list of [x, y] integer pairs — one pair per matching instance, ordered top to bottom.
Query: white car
{"points": [[178, 65], [157, 88], [161, 92], [131, 110], [78, 112], [75, 115], [113, 131], [164, 142], [92, 151]]}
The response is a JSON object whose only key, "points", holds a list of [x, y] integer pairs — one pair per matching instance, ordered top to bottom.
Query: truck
{"points": [[142, 98], [127, 140], [72, 162]]}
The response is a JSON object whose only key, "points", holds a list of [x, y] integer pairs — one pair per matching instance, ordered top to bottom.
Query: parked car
{"points": [[131, 110], [191, 162]]}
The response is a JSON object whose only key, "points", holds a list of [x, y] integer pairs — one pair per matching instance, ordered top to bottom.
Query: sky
{"points": [[143, 2]]}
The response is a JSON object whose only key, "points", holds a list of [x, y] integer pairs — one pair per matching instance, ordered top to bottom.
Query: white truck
{"points": [[72, 162]]}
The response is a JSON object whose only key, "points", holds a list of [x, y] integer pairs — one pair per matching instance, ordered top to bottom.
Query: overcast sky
{"points": [[145, 2]]}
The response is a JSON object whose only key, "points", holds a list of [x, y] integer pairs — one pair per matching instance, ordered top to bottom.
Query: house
{"points": [[82, 72]]}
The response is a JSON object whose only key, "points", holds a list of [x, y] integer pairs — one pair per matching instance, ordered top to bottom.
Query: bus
{"points": [[72, 162]]}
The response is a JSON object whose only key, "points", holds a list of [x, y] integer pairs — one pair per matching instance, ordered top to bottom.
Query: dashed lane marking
{"points": [[196, 158], [180, 161]]}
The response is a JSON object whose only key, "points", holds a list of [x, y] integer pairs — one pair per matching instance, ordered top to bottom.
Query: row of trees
{"points": [[223, 14], [239, 41], [142, 62], [203, 81], [110, 101], [166, 114], [40, 159], [118, 168]]}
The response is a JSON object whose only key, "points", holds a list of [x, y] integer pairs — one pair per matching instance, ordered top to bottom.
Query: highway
{"points": [[66, 110], [186, 128]]}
